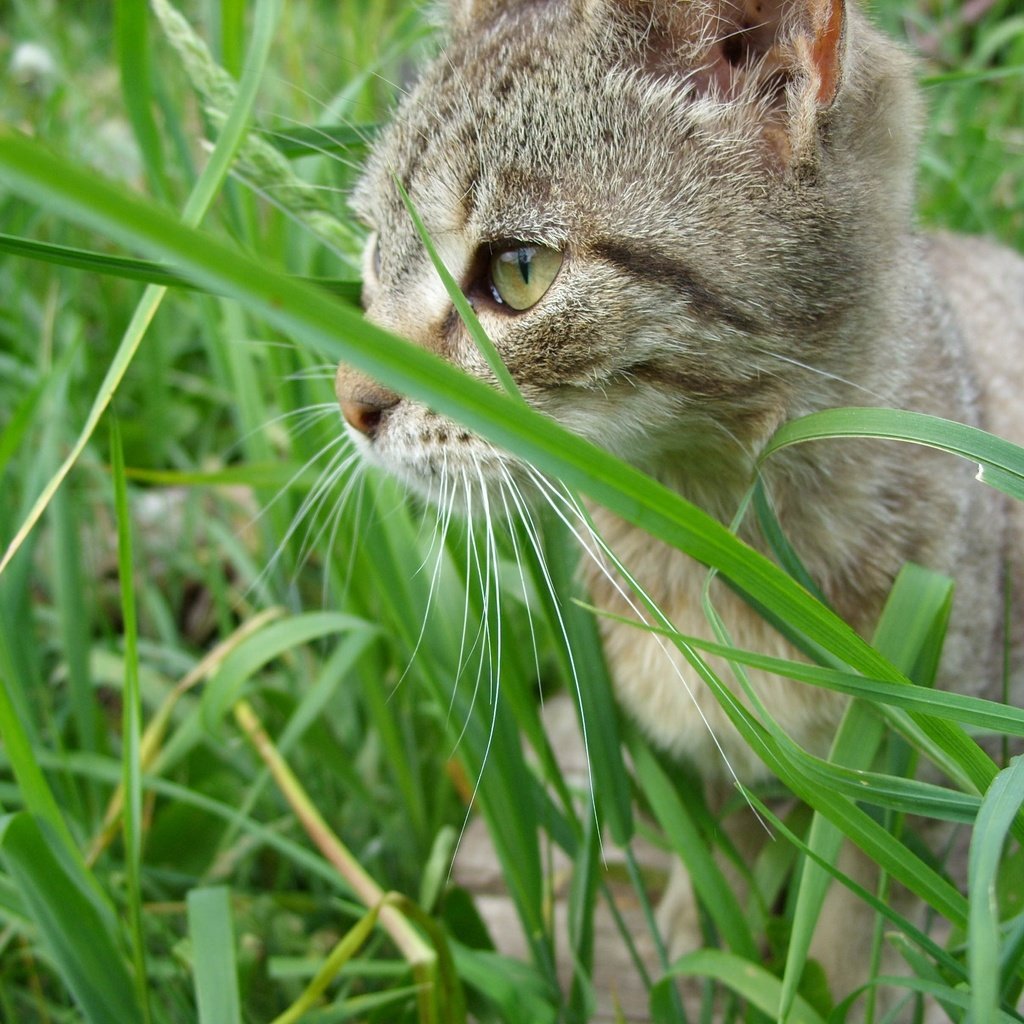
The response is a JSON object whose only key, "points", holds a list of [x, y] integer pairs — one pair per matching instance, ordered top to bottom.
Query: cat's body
{"points": [[725, 192]]}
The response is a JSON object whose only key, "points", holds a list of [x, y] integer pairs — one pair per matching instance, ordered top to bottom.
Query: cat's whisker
{"points": [[313, 412], [341, 463], [356, 483], [507, 486], [318, 497], [533, 536], [437, 544], [600, 553]]}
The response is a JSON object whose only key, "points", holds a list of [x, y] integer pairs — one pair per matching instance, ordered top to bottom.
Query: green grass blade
{"points": [[131, 34], [133, 270], [491, 355], [1001, 463], [918, 607], [974, 711], [131, 726], [998, 810], [715, 893], [582, 902], [80, 937], [347, 947], [214, 963], [747, 978]]}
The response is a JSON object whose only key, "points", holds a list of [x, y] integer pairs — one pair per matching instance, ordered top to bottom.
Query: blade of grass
{"points": [[131, 34], [133, 270], [491, 355], [1001, 462], [919, 600], [974, 711], [131, 727], [1000, 806], [715, 893], [80, 937], [346, 948], [420, 956], [214, 964], [747, 978]]}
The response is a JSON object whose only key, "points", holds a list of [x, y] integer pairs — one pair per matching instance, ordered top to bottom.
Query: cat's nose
{"points": [[363, 402], [366, 416]]}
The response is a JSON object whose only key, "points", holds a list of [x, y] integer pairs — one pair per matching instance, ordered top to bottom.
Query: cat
{"points": [[683, 224]]}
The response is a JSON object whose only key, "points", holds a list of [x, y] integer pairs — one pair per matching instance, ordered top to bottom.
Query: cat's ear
{"points": [[726, 47]]}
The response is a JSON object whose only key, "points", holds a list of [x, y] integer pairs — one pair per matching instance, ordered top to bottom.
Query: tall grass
{"points": [[242, 713]]}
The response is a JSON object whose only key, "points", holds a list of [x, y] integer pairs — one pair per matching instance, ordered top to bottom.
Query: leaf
{"points": [[1001, 463], [1000, 806], [79, 937], [214, 965], [747, 979]]}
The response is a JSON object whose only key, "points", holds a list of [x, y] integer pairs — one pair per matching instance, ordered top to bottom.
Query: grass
{"points": [[225, 736]]}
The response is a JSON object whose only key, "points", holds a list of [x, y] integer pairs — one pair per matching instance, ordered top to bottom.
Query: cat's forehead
{"points": [[520, 131]]}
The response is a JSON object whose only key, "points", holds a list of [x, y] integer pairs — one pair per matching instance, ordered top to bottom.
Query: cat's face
{"points": [[643, 215]]}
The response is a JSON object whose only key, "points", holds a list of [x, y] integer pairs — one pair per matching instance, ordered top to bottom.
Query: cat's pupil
{"points": [[524, 256]]}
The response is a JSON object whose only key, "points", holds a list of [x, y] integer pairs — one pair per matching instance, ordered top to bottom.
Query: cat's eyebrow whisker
{"points": [[328, 110], [346, 257], [322, 371], [828, 375]]}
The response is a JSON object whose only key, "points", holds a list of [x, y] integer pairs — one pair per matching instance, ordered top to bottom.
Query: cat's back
{"points": [[984, 285]]}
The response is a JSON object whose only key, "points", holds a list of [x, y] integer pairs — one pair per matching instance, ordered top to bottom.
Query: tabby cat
{"points": [[683, 223]]}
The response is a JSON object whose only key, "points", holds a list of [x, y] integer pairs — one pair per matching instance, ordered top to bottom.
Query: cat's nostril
{"points": [[366, 416]]}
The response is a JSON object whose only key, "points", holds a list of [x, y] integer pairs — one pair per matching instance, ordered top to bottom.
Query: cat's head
{"points": [[661, 211]]}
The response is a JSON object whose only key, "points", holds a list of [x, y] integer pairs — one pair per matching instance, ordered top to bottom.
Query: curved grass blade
{"points": [[139, 270], [1001, 463], [918, 605], [977, 712], [747, 978]]}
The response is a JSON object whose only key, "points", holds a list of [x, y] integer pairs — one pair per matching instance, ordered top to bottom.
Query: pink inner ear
{"points": [[825, 52]]}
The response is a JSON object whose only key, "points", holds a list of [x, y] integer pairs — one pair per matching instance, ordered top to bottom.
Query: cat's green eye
{"points": [[520, 276]]}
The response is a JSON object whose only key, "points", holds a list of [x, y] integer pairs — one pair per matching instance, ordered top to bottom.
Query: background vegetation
{"points": [[212, 577]]}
